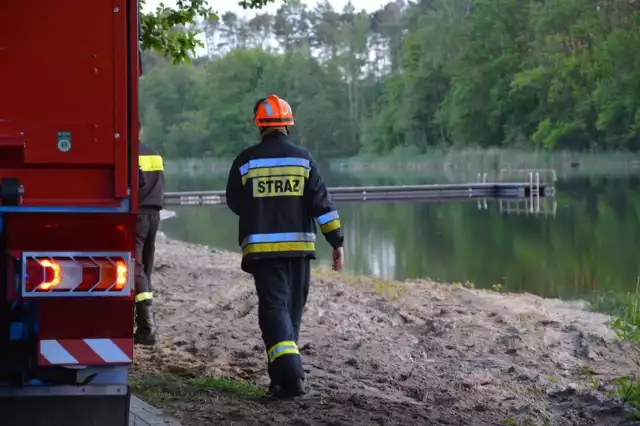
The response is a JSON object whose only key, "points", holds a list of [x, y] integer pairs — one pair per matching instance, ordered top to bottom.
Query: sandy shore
{"points": [[381, 352]]}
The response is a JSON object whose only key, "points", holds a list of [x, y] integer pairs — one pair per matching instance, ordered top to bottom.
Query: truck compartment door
{"points": [[64, 100]]}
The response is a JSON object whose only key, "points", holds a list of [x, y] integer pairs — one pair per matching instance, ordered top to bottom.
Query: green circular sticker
{"points": [[64, 145]]}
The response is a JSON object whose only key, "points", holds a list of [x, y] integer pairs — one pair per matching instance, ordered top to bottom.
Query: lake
{"points": [[591, 242]]}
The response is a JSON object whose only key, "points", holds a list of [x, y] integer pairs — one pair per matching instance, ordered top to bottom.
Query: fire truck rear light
{"points": [[76, 274], [49, 275], [121, 275]]}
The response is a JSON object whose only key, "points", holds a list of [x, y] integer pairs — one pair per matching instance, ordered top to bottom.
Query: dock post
{"points": [[537, 192]]}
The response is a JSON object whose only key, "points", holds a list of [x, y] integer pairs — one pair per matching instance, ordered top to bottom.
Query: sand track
{"points": [[385, 352]]}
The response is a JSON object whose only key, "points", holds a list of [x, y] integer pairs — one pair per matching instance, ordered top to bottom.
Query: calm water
{"points": [[592, 242]]}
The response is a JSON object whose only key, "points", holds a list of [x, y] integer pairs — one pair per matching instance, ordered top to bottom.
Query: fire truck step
{"points": [[66, 410]]}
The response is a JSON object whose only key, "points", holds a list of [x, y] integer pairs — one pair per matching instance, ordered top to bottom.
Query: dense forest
{"points": [[546, 74]]}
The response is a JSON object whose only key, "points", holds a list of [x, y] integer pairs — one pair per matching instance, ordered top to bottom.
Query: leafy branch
{"points": [[172, 32]]}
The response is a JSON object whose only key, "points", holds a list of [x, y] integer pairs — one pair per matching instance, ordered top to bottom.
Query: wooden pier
{"points": [[532, 190]]}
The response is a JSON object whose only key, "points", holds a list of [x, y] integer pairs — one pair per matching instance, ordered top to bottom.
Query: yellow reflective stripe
{"points": [[151, 163], [276, 171], [330, 226], [278, 237], [279, 247], [147, 295], [286, 347], [273, 348], [289, 351]]}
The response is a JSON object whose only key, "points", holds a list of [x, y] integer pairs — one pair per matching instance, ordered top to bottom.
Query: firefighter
{"points": [[277, 191], [151, 202]]}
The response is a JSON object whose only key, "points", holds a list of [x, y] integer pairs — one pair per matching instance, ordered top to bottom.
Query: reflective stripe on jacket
{"points": [[151, 193], [278, 193]]}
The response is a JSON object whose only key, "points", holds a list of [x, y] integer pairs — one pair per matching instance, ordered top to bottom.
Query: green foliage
{"points": [[254, 4], [166, 29], [171, 32], [433, 74], [626, 325], [628, 389]]}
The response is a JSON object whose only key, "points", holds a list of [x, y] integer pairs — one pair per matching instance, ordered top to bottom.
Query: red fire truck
{"points": [[68, 192]]}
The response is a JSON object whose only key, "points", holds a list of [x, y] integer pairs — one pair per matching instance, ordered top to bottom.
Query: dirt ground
{"points": [[378, 352]]}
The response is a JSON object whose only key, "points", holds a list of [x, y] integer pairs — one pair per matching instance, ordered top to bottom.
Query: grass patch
{"points": [[324, 273], [329, 274], [390, 289], [614, 303], [626, 325], [234, 386], [164, 390], [161, 391]]}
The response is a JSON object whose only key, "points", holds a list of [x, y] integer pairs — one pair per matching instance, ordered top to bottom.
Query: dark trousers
{"points": [[147, 228], [283, 288]]}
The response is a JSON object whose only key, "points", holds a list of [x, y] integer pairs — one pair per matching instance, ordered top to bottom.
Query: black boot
{"points": [[146, 329], [274, 389], [291, 389]]}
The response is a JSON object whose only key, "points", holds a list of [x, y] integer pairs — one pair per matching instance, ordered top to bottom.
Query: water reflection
{"points": [[591, 243]]}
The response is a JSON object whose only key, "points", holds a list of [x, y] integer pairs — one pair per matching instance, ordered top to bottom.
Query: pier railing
{"points": [[532, 188]]}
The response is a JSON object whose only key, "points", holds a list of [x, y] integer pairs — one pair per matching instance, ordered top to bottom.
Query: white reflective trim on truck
{"points": [[107, 350], [86, 352], [55, 353]]}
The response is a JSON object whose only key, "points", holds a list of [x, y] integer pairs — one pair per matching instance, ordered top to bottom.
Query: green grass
{"points": [[391, 290], [612, 303], [625, 309], [237, 387], [164, 390], [161, 391]]}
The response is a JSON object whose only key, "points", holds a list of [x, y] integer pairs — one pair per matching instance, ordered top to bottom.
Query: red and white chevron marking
{"points": [[85, 351]]}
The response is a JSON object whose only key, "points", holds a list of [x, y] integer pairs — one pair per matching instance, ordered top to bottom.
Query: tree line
{"points": [[537, 74]]}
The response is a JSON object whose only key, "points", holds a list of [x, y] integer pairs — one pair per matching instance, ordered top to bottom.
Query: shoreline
{"points": [[451, 163], [377, 351]]}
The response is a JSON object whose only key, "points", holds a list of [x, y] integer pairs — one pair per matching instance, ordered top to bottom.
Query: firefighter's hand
{"points": [[338, 258]]}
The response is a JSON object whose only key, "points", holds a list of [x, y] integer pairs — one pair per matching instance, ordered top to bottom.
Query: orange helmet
{"points": [[272, 112]]}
